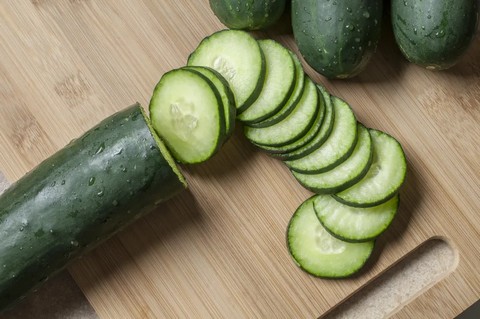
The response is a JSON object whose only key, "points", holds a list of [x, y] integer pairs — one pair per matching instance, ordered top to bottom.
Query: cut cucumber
{"points": [[237, 56], [278, 84], [228, 100], [292, 101], [187, 113], [293, 126], [312, 132], [322, 134], [338, 146], [347, 173], [383, 179], [80, 196], [354, 224], [319, 253]]}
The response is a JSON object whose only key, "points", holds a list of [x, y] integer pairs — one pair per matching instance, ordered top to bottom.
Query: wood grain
{"points": [[218, 250]]}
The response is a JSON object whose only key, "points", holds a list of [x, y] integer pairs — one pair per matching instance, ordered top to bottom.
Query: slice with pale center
{"points": [[187, 113], [384, 177], [319, 253]]}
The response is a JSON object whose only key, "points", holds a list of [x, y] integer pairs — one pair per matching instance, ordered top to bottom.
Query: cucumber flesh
{"points": [[237, 56], [278, 84], [226, 94], [292, 101], [187, 113], [293, 126], [312, 132], [322, 134], [338, 146], [344, 175], [384, 177], [354, 224], [319, 253]]}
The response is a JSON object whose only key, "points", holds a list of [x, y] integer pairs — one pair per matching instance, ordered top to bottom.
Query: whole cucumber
{"points": [[248, 15], [433, 33], [337, 38], [80, 196]]}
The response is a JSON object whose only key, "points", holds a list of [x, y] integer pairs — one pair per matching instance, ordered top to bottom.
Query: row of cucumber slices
{"points": [[355, 171]]}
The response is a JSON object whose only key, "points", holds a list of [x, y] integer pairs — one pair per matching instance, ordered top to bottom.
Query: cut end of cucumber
{"points": [[163, 149]]}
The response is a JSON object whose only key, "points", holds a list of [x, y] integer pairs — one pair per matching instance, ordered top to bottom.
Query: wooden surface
{"points": [[218, 250]]}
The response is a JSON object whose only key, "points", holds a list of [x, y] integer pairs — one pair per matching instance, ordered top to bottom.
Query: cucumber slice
{"points": [[236, 55], [278, 84], [226, 94], [292, 101], [188, 115], [293, 126], [312, 132], [322, 134], [338, 146], [347, 173], [383, 179], [354, 224], [319, 253]]}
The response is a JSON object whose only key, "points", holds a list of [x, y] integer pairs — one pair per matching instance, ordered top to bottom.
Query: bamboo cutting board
{"points": [[218, 250]]}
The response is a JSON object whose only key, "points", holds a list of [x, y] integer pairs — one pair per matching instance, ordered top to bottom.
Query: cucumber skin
{"points": [[249, 16], [337, 38], [439, 41], [52, 215]]}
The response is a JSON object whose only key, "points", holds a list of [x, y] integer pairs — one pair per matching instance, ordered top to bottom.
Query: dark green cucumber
{"points": [[248, 15], [433, 33], [337, 38], [80, 196]]}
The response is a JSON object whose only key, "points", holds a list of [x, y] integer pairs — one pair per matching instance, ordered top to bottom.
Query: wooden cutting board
{"points": [[218, 250]]}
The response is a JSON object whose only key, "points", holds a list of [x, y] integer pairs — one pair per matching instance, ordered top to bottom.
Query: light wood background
{"points": [[219, 250]]}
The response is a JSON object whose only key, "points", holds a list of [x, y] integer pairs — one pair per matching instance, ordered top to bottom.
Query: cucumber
{"points": [[248, 15], [432, 33], [337, 38], [237, 56], [278, 84], [228, 101], [292, 101], [187, 113], [293, 126], [312, 132], [321, 136], [338, 146], [345, 174], [384, 177], [80, 196], [354, 224], [317, 252]]}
